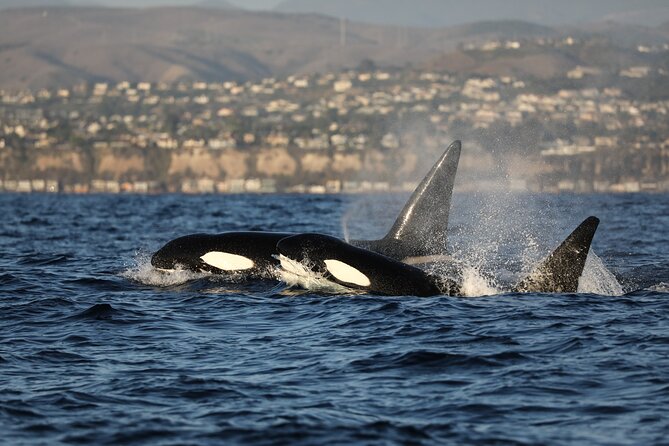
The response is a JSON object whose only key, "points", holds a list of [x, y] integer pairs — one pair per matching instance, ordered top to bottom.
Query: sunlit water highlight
{"points": [[98, 347]]}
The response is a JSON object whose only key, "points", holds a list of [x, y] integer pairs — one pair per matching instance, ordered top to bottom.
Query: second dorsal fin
{"points": [[562, 269]]}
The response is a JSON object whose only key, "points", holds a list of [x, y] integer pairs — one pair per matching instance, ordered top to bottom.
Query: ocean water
{"points": [[98, 348]]}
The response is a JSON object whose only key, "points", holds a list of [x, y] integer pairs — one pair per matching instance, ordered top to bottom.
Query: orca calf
{"points": [[420, 230], [372, 272]]}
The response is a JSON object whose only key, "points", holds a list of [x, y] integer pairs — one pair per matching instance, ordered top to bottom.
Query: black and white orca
{"points": [[420, 230], [355, 267], [362, 269]]}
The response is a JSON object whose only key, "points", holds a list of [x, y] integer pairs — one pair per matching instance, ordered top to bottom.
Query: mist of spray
{"points": [[496, 237]]}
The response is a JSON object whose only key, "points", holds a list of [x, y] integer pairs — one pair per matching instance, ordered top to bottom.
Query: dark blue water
{"points": [[97, 348]]}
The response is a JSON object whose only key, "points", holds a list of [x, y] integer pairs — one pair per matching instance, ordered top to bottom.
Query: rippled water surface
{"points": [[97, 348]]}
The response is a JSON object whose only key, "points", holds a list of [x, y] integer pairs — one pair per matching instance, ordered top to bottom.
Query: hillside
{"points": [[439, 13], [63, 46]]}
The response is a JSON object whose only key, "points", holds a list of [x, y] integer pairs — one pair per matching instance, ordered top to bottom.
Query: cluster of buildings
{"points": [[550, 42], [588, 138]]}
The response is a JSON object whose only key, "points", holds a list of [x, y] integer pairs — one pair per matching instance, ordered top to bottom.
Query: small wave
{"points": [[36, 221], [44, 259], [6, 279], [106, 285], [96, 312], [59, 356], [424, 359], [19, 412], [41, 428]]}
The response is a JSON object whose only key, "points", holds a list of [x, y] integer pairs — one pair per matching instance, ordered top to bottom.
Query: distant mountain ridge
{"points": [[440, 13], [56, 46], [47, 47]]}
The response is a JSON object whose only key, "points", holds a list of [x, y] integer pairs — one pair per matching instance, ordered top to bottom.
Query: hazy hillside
{"points": [[454, 12], [628, 35], [63, 46]]}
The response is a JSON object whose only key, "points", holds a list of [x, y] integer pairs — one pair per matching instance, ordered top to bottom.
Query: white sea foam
{"points": [[143, 272], [662, 287]]}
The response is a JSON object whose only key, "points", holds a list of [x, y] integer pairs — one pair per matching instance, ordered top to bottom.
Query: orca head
{"points": [[311, 249], [183, 252], [201, 252], [325, 255]]}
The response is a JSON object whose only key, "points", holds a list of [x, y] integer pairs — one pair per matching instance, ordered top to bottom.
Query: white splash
{"points": [[143, 272], [597, 279], [475, 284], [662, 287]]}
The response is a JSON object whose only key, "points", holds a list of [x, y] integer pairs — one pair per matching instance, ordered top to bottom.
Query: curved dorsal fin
{"points": [[420, 229]]}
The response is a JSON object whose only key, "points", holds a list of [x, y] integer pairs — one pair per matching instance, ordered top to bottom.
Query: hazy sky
{"points": [[248, 4], [256, 4]]}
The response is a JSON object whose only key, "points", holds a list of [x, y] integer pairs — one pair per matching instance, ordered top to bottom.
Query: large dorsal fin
{"points": [[426, 213], [420, 229], [561, 270]]}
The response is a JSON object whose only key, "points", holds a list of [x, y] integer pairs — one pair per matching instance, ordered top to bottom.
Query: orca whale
{"points": [[420, 230], [247, 252], [356, 267], [362, 269]]}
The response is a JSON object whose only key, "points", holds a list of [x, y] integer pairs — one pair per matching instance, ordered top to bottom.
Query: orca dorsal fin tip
{"points": [[420, 228]]}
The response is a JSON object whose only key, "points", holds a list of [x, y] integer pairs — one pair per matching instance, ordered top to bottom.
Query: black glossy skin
{"points": [[185, 252], [387, 276]]}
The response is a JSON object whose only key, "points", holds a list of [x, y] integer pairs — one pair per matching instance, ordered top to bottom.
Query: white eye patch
{"points": [[227, 262], [346, 273]]}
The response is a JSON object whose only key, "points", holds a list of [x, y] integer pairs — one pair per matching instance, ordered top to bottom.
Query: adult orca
{"points": [[420, 230], [358, 268]]}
